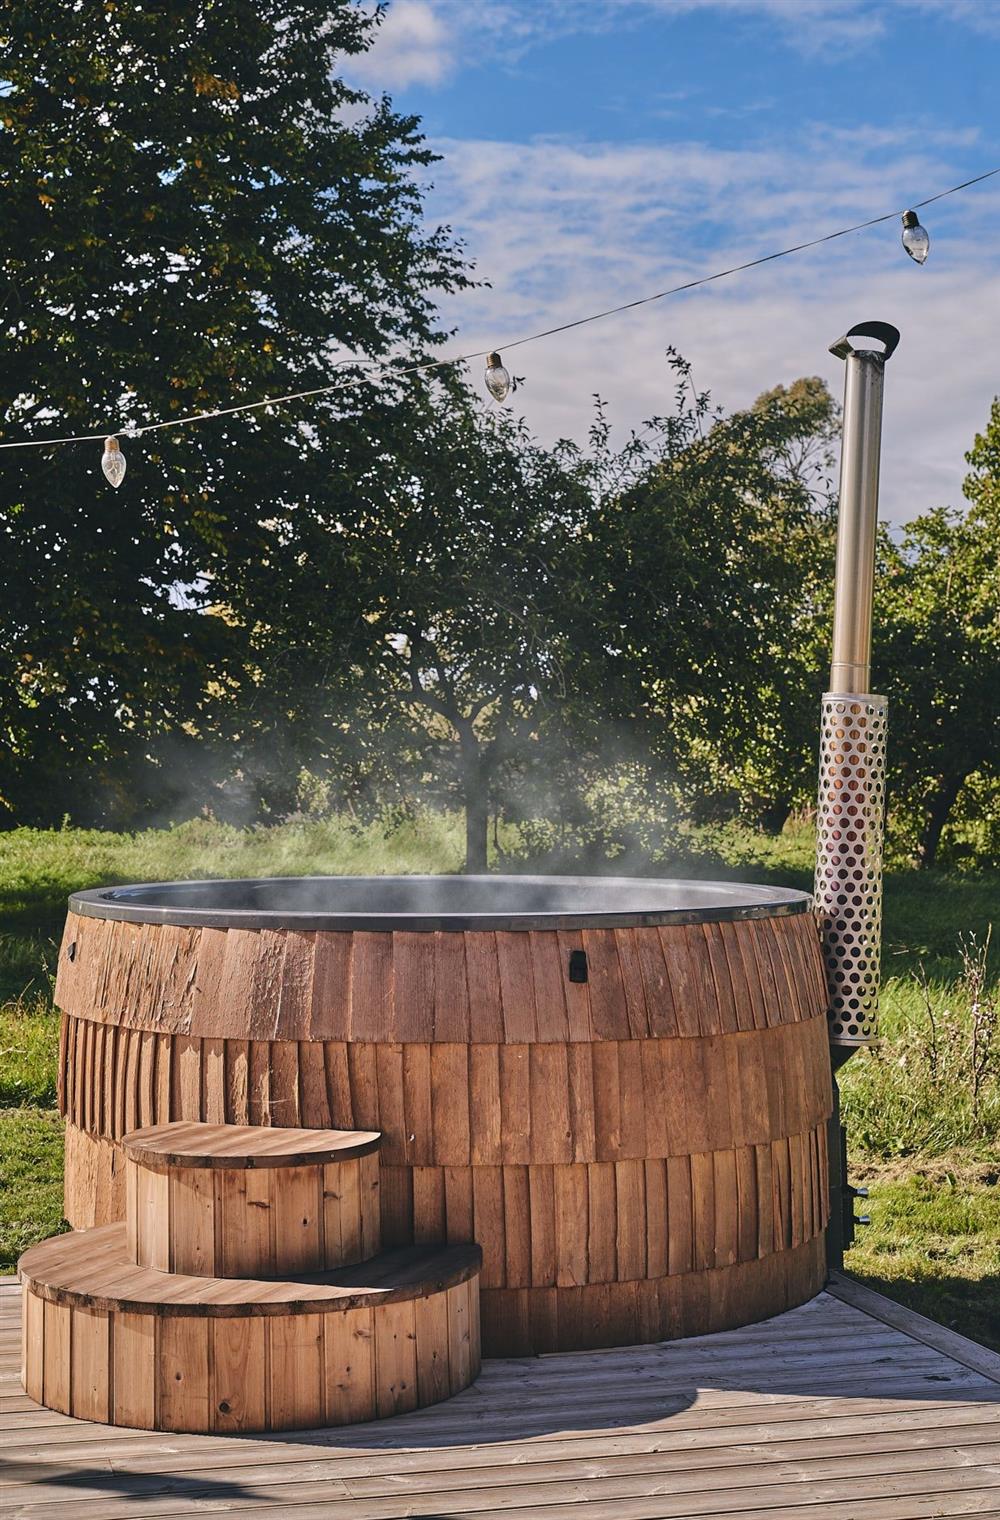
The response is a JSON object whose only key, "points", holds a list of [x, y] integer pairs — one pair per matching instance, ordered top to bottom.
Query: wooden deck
{"points": [[849, 1408]]}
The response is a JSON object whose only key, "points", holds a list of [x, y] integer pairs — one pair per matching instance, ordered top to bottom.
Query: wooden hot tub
{"points": [[619, 1087]]}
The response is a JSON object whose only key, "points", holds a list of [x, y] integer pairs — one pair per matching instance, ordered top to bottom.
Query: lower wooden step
{"points": [[109, 1341]]}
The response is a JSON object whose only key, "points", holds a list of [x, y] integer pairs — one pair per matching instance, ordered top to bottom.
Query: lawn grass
{"points": [[930, 1158], [31, 1172], [934, 1238]]}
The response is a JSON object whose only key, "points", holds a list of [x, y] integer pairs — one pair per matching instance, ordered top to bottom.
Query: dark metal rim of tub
{"points": [[430, 903]]}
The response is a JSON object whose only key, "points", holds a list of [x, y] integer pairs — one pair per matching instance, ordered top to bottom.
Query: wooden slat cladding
{"points": [[508, 987], [461, 1105], [662, 1121], [271, 1222], [605, 1225], [549, 1226], [520, 1321], [280, 1372]]}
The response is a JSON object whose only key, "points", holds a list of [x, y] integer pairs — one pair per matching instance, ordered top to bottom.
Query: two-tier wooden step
{"points": [[238, 1200], [234, 1296], [109, 1341]]}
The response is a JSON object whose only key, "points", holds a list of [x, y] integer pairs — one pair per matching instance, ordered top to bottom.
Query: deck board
{"points": [[848, 1406]]}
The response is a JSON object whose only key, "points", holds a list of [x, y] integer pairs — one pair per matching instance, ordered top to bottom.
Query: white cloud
{"points": [[981, 15], [808, 25], [414, 45], [562, 229]]}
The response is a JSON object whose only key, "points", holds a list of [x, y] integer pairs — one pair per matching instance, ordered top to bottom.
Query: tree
{"points": [[205, 214], [713, 562], [938, 610], [493, 617], [425, 621], [770, 765]]}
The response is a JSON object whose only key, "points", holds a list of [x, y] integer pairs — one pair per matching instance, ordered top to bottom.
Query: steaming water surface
{"points": [[436, 902]]}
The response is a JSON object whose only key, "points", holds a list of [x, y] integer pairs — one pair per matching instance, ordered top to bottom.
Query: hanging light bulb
{"points": [[915, 239], [497, 378], [113, 462]]}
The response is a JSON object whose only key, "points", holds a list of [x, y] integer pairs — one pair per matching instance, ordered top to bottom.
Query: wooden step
{"points": [[240, 1200], [121, 1344]]}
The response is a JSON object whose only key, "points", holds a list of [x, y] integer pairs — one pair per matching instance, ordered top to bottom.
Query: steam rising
{"points": [[386, 902]]}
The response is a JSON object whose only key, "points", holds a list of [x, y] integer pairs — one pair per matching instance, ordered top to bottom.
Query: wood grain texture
{"points": [[508, 987], [459, 1105], [664, 1119], [221, 1144], [642, 1196], [272, 1221], [91, 1270], [526, 1321], [187, 1371], [820, 1413]]}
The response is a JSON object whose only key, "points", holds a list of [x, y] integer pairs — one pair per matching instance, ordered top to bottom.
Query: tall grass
{"points": [[933, 1081]]}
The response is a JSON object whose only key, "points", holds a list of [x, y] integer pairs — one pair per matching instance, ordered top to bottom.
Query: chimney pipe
{"points": [[851, 807]]}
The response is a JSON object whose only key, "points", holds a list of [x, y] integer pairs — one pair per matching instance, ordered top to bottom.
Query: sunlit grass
{"points": [[933, 1082], [31, 1171], [934, 1239]]}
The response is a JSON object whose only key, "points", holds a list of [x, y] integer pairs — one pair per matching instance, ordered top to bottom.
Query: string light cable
{"points": [[497, 378]]}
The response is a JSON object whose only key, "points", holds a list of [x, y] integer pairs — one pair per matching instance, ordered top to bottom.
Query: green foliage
{"points": [[205, 214], [699, 553], [393, 596], [938, 608], [502, 624], [416, 633], [29, 1041], [933, 1082]]}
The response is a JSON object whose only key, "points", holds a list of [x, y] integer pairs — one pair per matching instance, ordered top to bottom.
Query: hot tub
{"points": [[619, 1087]]}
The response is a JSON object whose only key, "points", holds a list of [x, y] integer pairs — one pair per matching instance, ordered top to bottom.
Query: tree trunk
{"points": [[475, 785], [940, 805], [773, 816]]}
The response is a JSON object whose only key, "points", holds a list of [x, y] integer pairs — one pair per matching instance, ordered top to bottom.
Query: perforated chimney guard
{"points": [[851, 803], [849, 844]]}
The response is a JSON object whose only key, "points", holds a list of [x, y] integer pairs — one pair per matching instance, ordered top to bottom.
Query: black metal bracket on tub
{"points": [[578, 965], [843, 1221]]}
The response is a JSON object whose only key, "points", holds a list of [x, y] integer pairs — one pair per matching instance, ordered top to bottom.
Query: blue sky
{"points": [[596, 150]]}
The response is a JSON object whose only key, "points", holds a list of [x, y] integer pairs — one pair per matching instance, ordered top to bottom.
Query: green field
{"points": [[923, 1111]]}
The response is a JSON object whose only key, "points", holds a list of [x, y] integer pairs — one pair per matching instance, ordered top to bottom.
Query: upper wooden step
{"points": [[187, 1144], [240, 1200]]}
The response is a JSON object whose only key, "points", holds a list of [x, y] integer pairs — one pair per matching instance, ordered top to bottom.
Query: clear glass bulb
{"points": [[915, 239], [497, 378], [113, 462]]}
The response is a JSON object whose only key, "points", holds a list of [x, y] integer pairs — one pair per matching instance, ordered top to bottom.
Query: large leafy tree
{"points": [[200, 212], [711, 560], [938, 606], [526, 618], [451, 661], [767, 765]]}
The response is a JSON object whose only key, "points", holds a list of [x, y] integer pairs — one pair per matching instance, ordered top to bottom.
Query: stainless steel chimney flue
{"points": [[851, 807]]}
